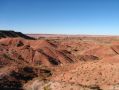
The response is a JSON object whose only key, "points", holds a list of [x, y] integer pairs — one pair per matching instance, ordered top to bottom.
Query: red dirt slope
{"points": [[33, 51]]}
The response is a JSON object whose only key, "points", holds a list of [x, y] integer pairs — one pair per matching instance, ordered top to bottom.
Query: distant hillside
{"points": [[5, 34], [70, 35]]}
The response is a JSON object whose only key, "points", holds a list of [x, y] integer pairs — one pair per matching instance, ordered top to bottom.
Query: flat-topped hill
{"points": [[12, 34]]}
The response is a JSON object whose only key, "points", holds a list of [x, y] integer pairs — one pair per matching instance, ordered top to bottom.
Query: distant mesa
{"points": [[12, 34]]}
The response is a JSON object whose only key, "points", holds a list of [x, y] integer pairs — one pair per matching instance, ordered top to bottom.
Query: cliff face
{"points": [[12, 34]]}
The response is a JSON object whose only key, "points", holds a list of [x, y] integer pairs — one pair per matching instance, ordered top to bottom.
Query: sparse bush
{"points": [[47, 87]]}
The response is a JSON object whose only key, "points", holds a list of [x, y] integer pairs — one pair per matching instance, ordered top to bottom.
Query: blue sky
{"points": [[60, 16]]}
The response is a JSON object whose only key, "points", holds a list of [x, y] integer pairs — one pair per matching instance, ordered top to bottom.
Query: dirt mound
{"points": [[13, 41], [37, 44], [115, 48], [33, 51], [100, 51], [88, 58], [112, 60]]}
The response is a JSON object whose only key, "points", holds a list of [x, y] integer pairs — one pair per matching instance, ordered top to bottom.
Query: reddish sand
{"points": [[34, 51], [82, 61]]}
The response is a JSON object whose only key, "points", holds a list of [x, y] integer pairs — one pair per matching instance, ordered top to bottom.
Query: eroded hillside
{"points": [[66, 63]]}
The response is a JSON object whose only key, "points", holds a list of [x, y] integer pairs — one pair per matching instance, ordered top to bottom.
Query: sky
{"points": [[94, 17]]}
